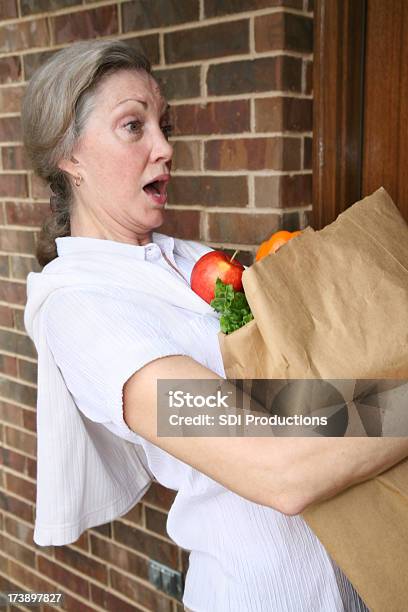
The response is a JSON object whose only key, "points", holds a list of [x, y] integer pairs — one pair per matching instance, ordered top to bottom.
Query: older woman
{"points": [[96, 127]]}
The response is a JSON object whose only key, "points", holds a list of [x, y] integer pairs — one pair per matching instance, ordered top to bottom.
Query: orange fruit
{"points": [[274, 243]]}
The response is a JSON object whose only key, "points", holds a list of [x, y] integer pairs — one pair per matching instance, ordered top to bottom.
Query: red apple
{"points": [[211, 266]]}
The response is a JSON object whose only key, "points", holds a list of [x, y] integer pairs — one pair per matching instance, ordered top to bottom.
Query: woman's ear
{"points": [[69, 165]]}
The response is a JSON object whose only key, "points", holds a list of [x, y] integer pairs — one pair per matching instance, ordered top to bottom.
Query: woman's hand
{"points": [[323, 467]]}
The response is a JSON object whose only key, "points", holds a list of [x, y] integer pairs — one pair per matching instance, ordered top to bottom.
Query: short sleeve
{"points": [[98, 341]]}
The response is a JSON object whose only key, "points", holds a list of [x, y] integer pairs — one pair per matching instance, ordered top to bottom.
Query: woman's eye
{"points": [[137, 126], [133, 127], [167, 130]]}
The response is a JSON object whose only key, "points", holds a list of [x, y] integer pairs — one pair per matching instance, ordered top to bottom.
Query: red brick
{"points": [[30, 7], [215, 8], [8, 9], [149, 14], [102, 21], [283, 31], [24, 35], [205, 42], [148, 45], [32, 61], [10, 69], [281, 73], [179, 83], [308, 89], [10, 99], [283, 114], [212, 118], [10, 129], [275, 153], [307, 153], [186, 155], [14, 158], [13, 186], [40, 189], [209, 190], [283, 191], [26, 213], [307, 218], [291, 221], [181, 224], [240, 228], [17, 241], [4, 266], [21, 266], [13, 292], [6, 316], [19, 319], [17, 343], [8, 365], [27, 371], [19, 392], [11, 413], [29, 420], [20, 440], [12, 459], [31, 468], [21, 487], [159, 496], [16, 506], [135, 515], [156, 521], [18, 529], [105, 529], [82, 542], [145, 543], [17, 551], [118, 556], [184, 560], [81, 563], [62, 576], [30, 580], [7, 585], [139, 593], [109, 601], [71, 604]]}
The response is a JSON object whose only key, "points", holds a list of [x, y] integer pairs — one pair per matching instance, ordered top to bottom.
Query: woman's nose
{"points": [[162, 148]]}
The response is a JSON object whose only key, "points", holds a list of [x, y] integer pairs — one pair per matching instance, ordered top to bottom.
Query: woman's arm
{"points": [[326, 466], [287, 474]]}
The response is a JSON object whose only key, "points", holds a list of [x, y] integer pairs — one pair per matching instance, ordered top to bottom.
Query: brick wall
{"points": [[238, 74]]}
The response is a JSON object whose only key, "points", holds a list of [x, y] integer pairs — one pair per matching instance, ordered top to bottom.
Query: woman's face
{"points": [[123, 147]]}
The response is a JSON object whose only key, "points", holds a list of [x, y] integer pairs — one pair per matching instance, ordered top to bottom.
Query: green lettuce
{"points": [[233, 306]]}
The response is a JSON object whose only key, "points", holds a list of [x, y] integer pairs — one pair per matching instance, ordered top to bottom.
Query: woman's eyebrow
{"points": [[165, 105]]}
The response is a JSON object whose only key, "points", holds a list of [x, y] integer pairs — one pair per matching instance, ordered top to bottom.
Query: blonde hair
{"points": [[57, 103]]}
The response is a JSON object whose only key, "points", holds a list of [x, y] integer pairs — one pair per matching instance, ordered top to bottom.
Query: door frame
{"points": [[338, 99]]}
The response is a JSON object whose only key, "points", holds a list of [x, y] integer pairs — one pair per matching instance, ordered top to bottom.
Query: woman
{"points": [[96, 127]]}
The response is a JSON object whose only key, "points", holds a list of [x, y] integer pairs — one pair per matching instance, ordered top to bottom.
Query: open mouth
{"points": [[157, 191]]}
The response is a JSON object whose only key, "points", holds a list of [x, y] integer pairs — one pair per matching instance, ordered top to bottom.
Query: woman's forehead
{"points": [[131, 84]]}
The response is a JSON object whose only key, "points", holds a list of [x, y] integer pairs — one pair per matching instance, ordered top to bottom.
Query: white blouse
{"points": [[244, 556]]}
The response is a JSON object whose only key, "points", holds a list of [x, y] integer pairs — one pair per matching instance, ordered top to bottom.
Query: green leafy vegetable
{"points": [[233, 306]]}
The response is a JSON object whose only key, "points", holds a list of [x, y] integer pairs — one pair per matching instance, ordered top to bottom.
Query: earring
{"points": [[78, 180]]}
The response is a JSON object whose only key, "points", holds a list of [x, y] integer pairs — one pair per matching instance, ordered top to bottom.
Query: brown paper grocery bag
{"points": [[334, 304]]}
